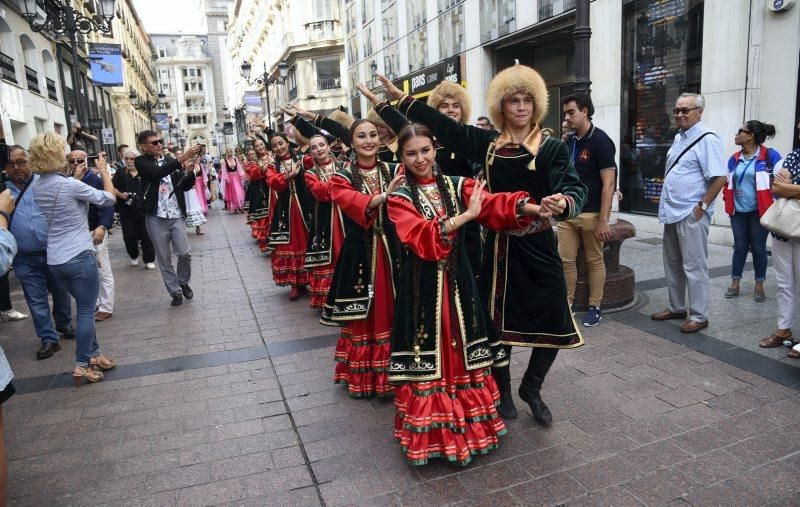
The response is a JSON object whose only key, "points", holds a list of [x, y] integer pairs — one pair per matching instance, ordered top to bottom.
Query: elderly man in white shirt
{"points": [[695, 173]]}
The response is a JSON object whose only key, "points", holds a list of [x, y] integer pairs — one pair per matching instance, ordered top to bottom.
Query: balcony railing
{"points": [[550, 8], [321, 30], [7, 70], [32, 79], [330, 83], [52, 94]]}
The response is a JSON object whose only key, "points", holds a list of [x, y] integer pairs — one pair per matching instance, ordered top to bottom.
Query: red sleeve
{"points": [[252, 171], [275, 180], [319, 189], [354, 204], [498, 211], [422, 236]]}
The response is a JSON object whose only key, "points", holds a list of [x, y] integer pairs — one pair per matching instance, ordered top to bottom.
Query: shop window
{"points": [[662, 49]]}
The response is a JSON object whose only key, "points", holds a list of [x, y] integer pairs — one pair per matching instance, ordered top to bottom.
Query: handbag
{"points": [[208, 194], [783, 218]]}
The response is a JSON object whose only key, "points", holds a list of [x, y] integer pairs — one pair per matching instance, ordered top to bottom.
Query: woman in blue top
{"points": [[747, 196], [65, 200]]}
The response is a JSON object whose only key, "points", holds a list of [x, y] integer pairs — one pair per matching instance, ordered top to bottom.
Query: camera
{"points": [[132, 197]]}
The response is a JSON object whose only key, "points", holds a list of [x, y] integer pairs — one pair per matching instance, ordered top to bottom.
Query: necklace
{"points": [[372, 179], [432, 194]]}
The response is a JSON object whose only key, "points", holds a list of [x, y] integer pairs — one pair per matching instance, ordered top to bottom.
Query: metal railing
{"points": [[550, 8], [321, 30], [7, 70], [32, 79], [330, 83], [52, 94]]}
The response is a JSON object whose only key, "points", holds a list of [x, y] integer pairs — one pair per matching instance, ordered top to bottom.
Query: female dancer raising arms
{"points": [[258, 193], [290, 219], [327, 233], [361, 297], [441, 352]]}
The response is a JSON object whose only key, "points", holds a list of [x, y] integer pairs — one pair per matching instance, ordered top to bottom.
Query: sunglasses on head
{"points": [[157, 142], [76, 160]]}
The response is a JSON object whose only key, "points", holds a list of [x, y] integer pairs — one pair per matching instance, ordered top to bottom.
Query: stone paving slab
{"points": [[639, 420]]}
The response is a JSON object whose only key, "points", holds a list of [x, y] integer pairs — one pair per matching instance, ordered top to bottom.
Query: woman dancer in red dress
{"points": [[259, 193], [290, 219], [327, 234], [361, 297], [441, 352]]}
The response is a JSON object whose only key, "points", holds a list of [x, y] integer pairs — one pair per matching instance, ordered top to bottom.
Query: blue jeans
{"points": [[749, 235], [81, 277], [37, 279]]}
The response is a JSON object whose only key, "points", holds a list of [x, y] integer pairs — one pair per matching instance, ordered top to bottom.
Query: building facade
{"points": [[216, 26], [306, 35], [138, 54], [740, 54], [184, 74], [31, 93]]}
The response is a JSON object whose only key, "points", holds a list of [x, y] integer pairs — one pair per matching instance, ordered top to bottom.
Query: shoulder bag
{"points": [[783, 217]]}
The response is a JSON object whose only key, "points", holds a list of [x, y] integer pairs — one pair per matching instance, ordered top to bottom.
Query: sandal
{"points": [[732, 292], [760, 296], [774, 340], [794, 353], [103, 362], [89, 374]]}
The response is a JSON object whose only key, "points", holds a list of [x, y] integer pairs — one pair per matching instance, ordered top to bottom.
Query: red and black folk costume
{"points": [[450, 163], [258, 195], [290, 224], [327, 232], [522, 279], [362, 293], [441, 350]]}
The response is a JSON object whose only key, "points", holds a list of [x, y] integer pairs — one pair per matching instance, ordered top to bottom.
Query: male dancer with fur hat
{"points": [[522, 280]]}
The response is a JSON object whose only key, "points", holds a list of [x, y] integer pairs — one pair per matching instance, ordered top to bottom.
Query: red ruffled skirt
{"points": [[260, 232], [288, 259], [320, 277], [362, 352], [453, 418]]}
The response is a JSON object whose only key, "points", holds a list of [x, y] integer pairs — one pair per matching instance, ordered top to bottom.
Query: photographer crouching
{"points": [[128, 189]]}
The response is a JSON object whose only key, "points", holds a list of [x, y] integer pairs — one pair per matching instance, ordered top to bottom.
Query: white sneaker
{"points": [[134, 262], [150, 265], [10, 315]]}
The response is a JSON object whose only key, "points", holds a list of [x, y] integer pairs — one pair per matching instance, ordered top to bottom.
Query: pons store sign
{"points": [[420, 83]]}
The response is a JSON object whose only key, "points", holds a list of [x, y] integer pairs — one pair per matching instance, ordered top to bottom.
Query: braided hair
{"points": [[452, 207]]}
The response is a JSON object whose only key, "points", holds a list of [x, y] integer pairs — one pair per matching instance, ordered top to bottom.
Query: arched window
{"points": [[8, 53], [30, 59], [51, 75]]}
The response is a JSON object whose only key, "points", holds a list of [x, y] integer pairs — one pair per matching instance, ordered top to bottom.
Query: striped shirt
{"points": [[687, 182]]}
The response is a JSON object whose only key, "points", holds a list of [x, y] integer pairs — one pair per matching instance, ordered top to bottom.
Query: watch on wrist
{"points": [[703, 206]]}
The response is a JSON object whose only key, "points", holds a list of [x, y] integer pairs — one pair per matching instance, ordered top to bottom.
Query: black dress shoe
{"points": [[187, 291], [177, 299], [68, 332], [47, 349], [539, 409]]}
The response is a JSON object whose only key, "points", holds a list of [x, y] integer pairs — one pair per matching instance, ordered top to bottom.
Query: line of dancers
{"points": [[429, 242]]}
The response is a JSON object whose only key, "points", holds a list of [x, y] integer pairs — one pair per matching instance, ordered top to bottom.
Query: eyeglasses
{"points": [[683, 110], [743, 131], [157, 142], [76, 160], [18, 163]]}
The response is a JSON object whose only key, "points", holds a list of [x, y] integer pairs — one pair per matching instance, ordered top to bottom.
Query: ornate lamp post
{"points": [[62, 19], [582, 34], [266, 80], [147, 105]]}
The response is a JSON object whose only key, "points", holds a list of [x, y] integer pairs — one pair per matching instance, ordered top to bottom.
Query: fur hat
{"points": [[516, 79], [451, 90], [341, 117], [374, 118]]}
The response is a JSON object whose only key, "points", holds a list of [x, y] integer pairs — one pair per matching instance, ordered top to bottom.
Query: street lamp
{"points": [[62, 19], [266, 80], [147, 105], [220, 130]]}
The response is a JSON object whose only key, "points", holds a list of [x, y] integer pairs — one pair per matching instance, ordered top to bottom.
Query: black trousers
{"points": [[133, 232], [5, 293], [538, 365]]}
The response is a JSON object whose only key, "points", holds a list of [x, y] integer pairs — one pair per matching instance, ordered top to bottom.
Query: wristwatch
{"points": [[703, 206]]}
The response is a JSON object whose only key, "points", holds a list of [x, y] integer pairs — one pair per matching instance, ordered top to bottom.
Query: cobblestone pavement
{"points": [[229, 399]]}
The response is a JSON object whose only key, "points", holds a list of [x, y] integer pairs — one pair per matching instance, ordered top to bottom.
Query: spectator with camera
{"points": [[78, 138], [128, 189], [101, 219], [29, 228], [71, 254]]}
